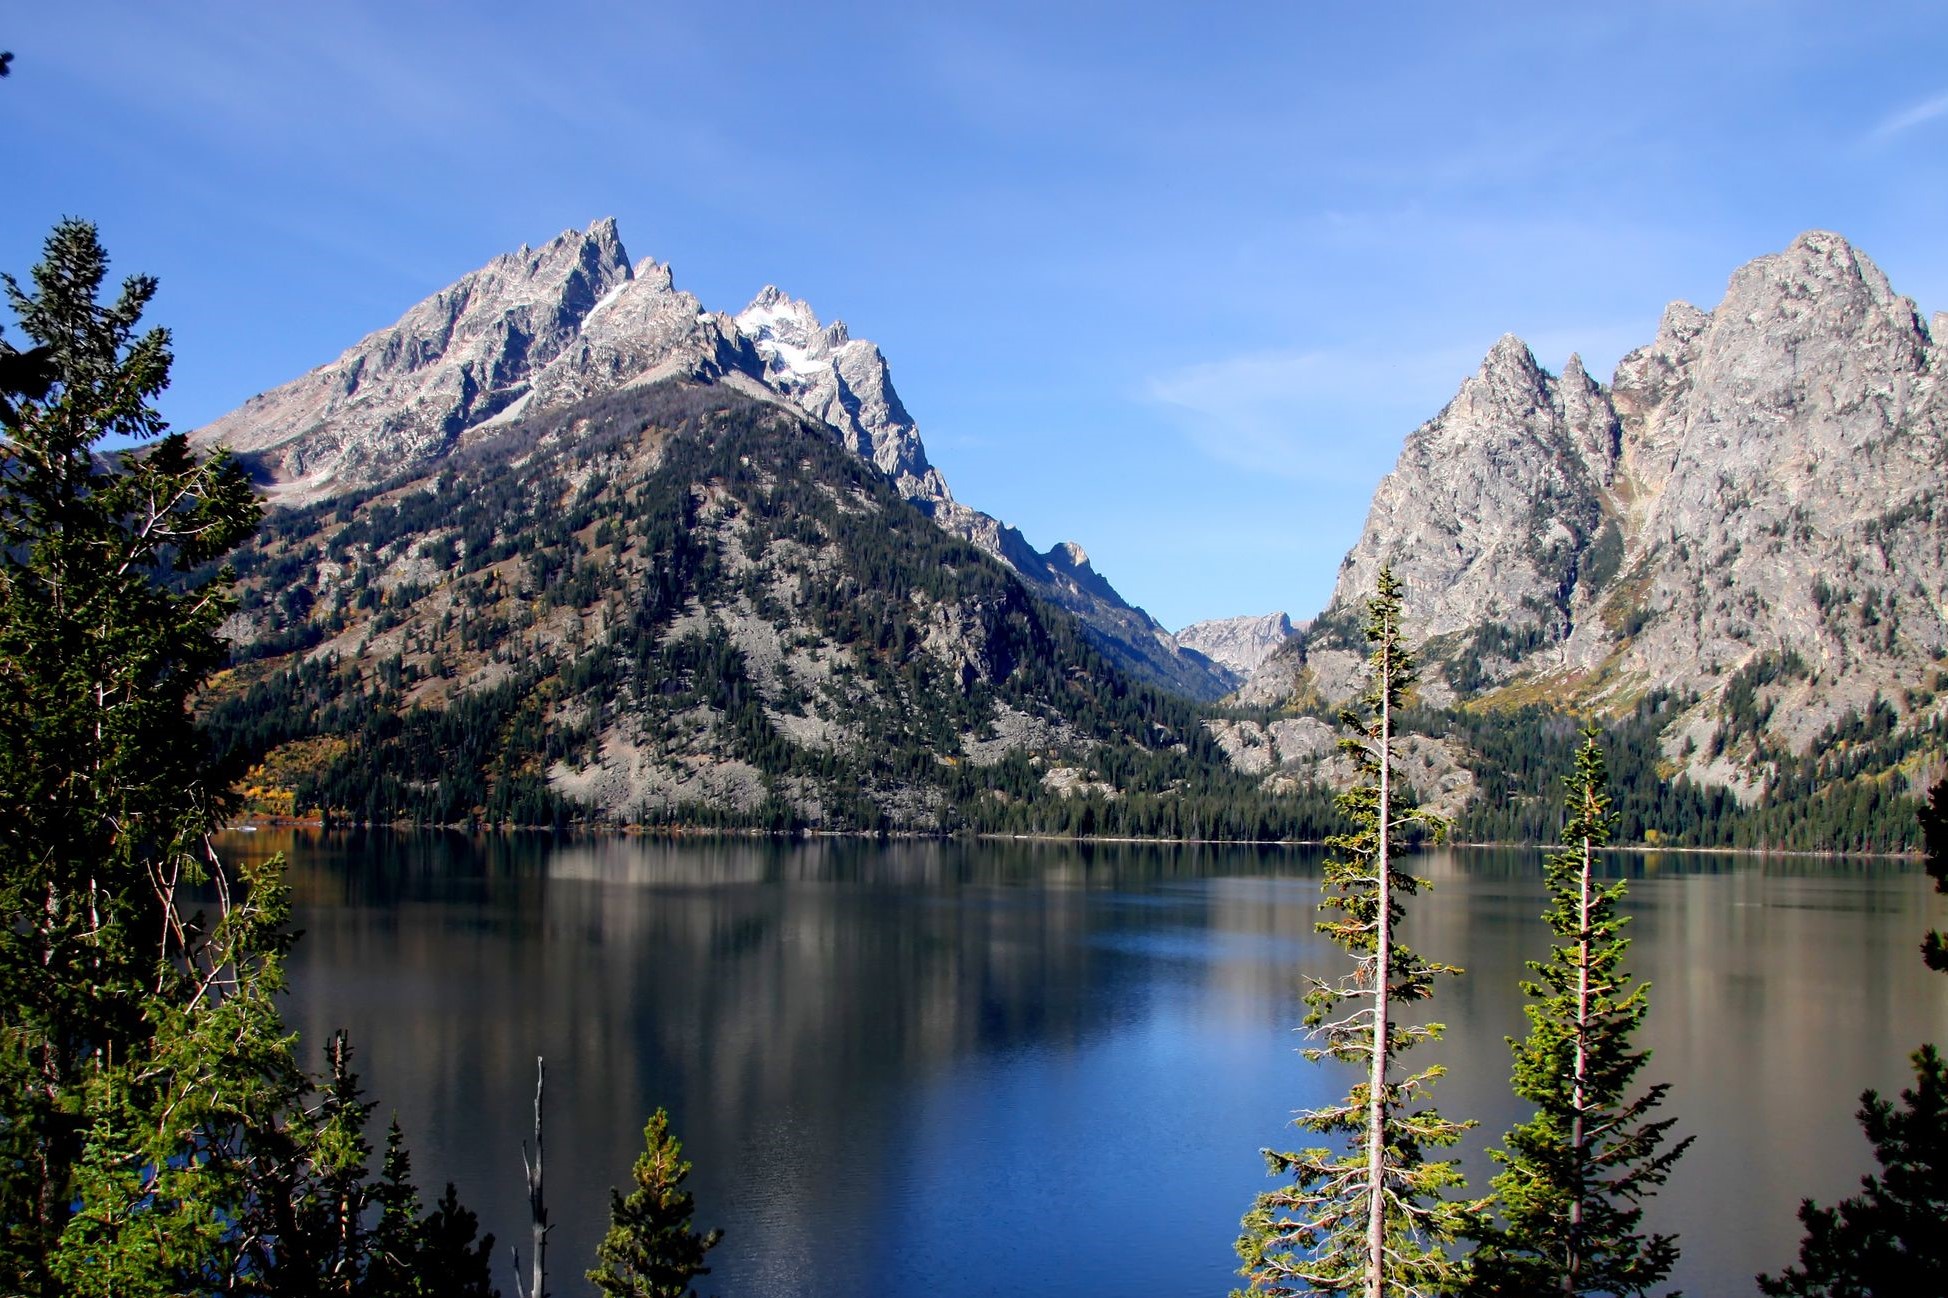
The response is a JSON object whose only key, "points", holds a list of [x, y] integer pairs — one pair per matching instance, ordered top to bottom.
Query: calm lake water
{"points": [[961, 1069]]}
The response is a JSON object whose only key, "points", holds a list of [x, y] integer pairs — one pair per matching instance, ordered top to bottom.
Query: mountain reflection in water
{"points": [[948, 1068]]}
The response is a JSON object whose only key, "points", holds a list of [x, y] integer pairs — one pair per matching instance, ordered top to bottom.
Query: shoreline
{"points": [[258, 825]]}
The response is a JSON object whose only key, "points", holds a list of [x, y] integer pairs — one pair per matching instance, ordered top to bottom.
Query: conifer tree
{"points": [[109, 607], [154, 1134], [1575, 1175], [1373, 1217], [396, 1236], [1890, 1240], [650, 1250], [435, 1256]]}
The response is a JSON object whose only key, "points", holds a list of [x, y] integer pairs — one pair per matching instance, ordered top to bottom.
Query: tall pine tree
{"points": [[109, 610], [154, 1135], [1575, 1175], [1372, 1217]]}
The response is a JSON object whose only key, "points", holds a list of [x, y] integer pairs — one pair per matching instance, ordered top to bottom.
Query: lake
{"points": [[981, 1068]]}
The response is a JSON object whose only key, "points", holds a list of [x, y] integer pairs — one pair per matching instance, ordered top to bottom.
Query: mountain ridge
{"points": [[540, 330], [1748, 517], [1239, 643]]}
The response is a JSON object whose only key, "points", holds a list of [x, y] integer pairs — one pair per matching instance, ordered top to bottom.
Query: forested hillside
{"points": [[679, 605]]}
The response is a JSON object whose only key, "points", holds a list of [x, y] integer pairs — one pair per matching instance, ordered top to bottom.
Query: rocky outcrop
{"points": [[546, 329], [843, 381], [403, 395], [1749, 515], [1238, 643], [1293, 752]]}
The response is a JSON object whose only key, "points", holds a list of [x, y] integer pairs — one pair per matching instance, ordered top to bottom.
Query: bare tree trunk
{"points": [[1576, 1136], [537, 1205], [1376, 1239]]}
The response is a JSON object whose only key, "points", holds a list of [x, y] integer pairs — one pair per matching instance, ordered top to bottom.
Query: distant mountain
{"points": [[542, 330], [1749, 519], [1238, 643]]}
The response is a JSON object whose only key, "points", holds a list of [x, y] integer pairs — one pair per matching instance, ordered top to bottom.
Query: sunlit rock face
{"points": [[546, 329], [1750, 512], [1238, 643]]}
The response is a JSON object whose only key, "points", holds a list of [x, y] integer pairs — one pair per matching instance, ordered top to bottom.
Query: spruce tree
{"points": [[109, 608], [154, 1130], [1575, 1175], [1372, 1217], [650, 1250]]}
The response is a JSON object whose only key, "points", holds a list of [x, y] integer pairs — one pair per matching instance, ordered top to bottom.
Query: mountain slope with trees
{"points": [[541, 330], [521, 571], [678, 603]]}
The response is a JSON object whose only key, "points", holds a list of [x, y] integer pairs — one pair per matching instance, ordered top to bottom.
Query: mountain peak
{"points": [[603, 232], [1822, 243], [598, 251], [1819, 258], [656, 274], [1818, 274], [769, 299], [773, 304], [1681, 322], [787, 333], [1510, 355], [1508, 382], [405, 393], [1069, 555]]}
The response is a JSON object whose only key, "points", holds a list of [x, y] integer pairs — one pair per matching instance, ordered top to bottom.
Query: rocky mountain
{"points": [[542, 330], [846, 382], [1748, 518], [681, 603], [1238, 643]]}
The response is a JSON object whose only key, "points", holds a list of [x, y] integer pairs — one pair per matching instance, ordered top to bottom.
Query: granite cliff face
{"points": [[531, 329], [542, 330], [845, 382], [1749, 515], [1238, 643]]}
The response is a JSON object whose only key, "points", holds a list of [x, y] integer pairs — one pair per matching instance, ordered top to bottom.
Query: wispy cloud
{"points": [[1912, 116], [1330, 415]]}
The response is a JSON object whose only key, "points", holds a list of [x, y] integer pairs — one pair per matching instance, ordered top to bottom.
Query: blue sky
{"points": [[1170, 281]]}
